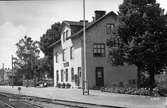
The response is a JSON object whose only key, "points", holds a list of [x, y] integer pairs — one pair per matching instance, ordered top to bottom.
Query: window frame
{"points": [[109, 28], [66, 33], [64, 36], [99, 50], [71, 52], [63, 55], [56, 57], [57, 75], [66, 75], [72, 75], [62, 78]]}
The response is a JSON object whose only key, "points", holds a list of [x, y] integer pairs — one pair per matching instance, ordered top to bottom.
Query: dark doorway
{"points": [[79, 76], [100, 76]]}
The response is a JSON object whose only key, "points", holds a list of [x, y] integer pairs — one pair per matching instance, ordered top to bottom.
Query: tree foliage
{"points": [[51, 36], [141, 37], [27, 55]]}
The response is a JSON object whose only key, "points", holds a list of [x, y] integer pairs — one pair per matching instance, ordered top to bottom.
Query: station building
{"points": [[68, 54]]}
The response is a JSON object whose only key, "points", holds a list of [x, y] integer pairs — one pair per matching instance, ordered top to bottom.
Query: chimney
{"points": [[99, 14]]}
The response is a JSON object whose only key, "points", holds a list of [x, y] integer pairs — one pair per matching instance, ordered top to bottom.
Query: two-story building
{"points": [[68, 54]]}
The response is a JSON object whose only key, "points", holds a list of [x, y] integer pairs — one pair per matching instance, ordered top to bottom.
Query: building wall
{"points": [[74, 63], [112, 74]]}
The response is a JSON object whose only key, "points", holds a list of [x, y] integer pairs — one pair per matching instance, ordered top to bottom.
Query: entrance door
{"points": [[79, 76], [99, 76]]}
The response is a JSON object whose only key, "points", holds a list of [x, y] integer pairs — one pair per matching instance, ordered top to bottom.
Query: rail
{"points": [[31, 100]]}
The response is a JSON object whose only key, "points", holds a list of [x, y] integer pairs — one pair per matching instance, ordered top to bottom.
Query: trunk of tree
{"points": [[139, 70], [152, 78]]}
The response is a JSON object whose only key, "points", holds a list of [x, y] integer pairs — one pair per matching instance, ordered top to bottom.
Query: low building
{"points": [[68, 54]]}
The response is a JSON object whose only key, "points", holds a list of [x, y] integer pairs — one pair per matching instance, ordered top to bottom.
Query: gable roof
{"points": [[93, 23], [88, 26]]}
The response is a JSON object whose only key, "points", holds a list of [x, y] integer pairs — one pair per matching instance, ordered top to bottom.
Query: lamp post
{"points": [[3, 70], [12, 72], [85, 81]]}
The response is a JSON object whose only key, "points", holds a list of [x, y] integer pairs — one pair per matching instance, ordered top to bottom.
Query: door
{"points": [[79, 76], [100, 76]]}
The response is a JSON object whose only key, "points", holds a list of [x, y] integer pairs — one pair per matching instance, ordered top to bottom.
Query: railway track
{"points": [[10, 101], [38, 102], [5, 105]]}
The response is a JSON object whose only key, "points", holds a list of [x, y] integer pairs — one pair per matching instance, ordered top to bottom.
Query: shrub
{"points": [[58, 85], [63, 85], [68, 85], [132, 91]]}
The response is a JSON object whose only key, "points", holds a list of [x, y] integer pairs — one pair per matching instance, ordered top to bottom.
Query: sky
{"points": [[33, 18]]}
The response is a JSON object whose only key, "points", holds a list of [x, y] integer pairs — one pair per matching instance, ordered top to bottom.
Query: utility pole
{"points": [[3, 72], [12, 72], [85, 81]]}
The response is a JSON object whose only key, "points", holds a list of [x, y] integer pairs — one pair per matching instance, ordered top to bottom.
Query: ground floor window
{"points": [[79, 71], [72, 74], [57, 75], [61, 75], [66, 75], [79, 76]]}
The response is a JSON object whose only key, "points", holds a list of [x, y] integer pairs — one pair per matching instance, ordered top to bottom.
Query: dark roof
{"points": [[75, 23], [93, 23], [89, 25]]}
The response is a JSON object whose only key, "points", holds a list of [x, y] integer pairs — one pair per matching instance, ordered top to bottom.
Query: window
{"points": [[109, 28], [66, 34], [64, 38], [98, 49], [71, 52], [63, 55], [56, 57], [79, 71], [72, 74], [57, 75], [61, 75], [66, 75], [132, 81]]}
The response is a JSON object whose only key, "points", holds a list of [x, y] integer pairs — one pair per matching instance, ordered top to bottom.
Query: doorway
{"points": [[100, 76]]}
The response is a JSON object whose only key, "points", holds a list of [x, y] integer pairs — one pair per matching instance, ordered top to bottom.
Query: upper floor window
{"points": [[109, 28], [66, 34], [64, 37], [98, 49], [71, 52], [64, 54], [56, 57], [63, 58]]}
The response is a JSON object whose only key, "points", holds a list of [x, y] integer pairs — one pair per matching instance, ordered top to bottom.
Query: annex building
{"points": [[68, 54]]}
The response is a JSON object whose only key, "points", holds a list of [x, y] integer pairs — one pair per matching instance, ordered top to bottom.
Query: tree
{"points": [[51, 36], [141, 38], [27, 55], [42, 68]]}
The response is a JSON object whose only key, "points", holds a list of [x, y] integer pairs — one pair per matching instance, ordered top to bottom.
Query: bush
{"points": [[58, 85], [63, 85], [68, 85], [132, 91]]}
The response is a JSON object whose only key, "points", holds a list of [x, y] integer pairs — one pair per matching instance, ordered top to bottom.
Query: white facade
{"points": [[99, 70]]}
